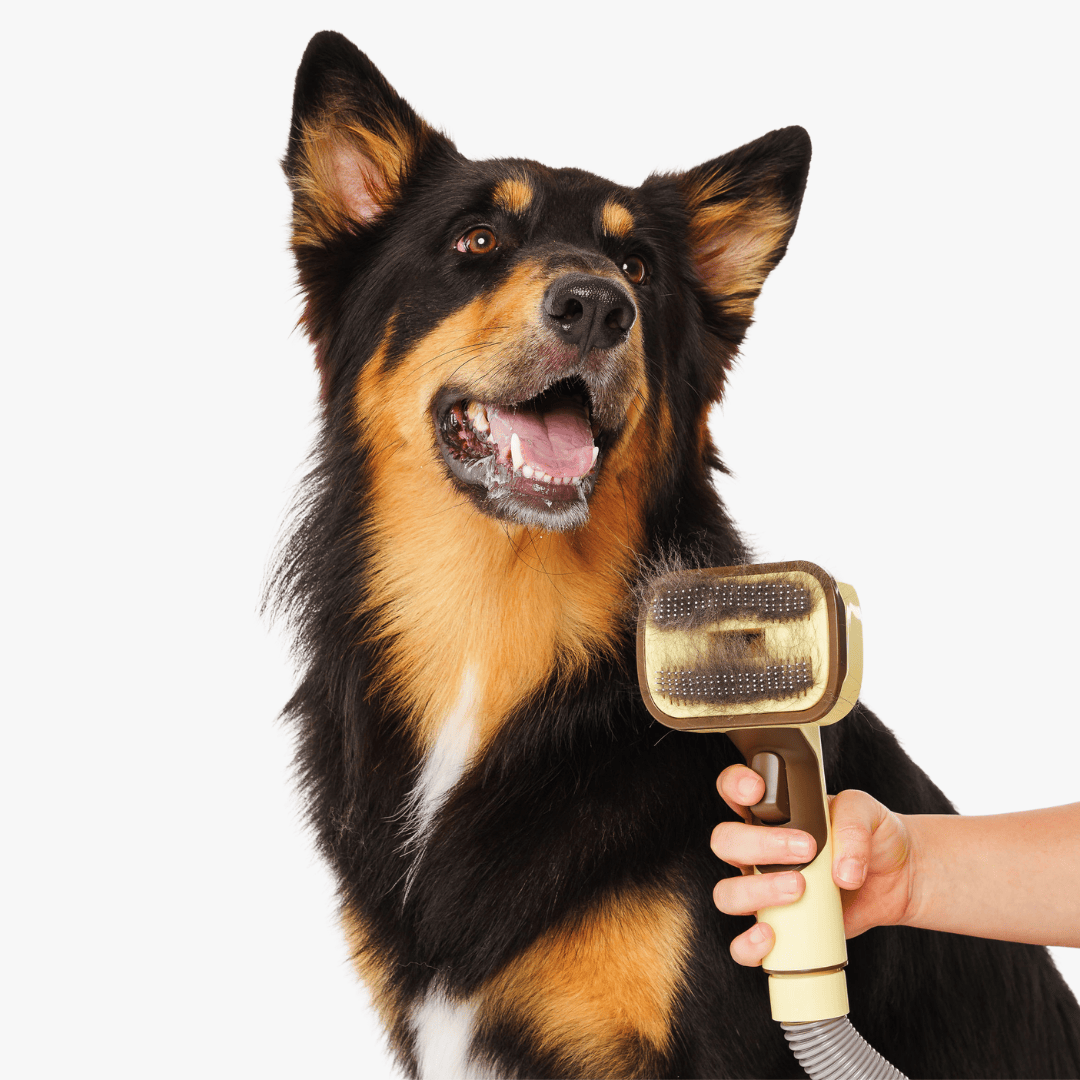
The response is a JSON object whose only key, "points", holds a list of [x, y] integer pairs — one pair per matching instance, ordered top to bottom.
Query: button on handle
{"points": [[795, 797], [774, 808]]}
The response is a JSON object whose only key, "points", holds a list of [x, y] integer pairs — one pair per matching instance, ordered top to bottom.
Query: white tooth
{"points": [[478, 416], [595, 451], [516, 456], [526, 470], [546, 478], [576, 481]]}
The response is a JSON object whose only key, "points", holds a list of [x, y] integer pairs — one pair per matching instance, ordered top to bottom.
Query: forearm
{"points": [[1015, 877]]}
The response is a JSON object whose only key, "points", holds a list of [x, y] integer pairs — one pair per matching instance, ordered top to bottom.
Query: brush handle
{"points": [[806, 963]]}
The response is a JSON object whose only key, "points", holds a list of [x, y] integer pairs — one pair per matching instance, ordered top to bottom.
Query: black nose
{"points": [[589, 311]]}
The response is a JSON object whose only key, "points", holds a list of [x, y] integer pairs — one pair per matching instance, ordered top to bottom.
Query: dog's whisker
{"points": [[473, 349]]}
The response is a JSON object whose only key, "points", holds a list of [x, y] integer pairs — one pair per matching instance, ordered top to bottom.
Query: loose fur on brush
{"points": [[522, 852]]}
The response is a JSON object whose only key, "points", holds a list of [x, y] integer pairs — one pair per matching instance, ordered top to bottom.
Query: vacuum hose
{"points": [[834, 1050]]}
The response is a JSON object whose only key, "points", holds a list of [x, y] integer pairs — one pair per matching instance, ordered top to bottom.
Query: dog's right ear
{"points": [[353, 142]]}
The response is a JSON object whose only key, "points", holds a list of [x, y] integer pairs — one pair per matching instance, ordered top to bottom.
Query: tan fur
{"points": [[351, 173], [515, 196], [616, 220], [733, 242], [452, 588], [371, 968], [599, 990]]}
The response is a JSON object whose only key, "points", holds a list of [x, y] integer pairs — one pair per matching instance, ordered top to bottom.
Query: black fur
{"points": [[581, 791]]}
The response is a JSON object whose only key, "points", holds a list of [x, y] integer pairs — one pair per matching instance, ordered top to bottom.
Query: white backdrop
{"points": [[903, 415]]}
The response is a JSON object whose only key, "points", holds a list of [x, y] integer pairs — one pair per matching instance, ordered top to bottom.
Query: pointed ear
{"points": [[353, 142], [743, 207]]}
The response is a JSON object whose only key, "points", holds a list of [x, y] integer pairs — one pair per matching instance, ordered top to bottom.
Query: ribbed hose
{"points": [[834, 1050]]}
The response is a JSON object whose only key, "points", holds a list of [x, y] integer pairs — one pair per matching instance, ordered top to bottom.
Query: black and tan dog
{"points": [[517, 365]]}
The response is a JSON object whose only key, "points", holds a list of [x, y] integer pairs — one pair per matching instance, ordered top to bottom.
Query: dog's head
{"points": [[510, 335]]}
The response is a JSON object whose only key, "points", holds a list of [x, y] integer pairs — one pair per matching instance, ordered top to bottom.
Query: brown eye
{"points": [[478, 241], [635, 269]]}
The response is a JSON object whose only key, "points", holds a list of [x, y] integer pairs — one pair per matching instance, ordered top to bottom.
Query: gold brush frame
{"points": [[805, 966]]}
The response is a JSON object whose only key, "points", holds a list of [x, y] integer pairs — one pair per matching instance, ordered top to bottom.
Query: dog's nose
{"points": [[589, 311]]}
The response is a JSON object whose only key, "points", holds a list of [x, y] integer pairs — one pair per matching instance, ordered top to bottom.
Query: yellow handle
{"points": [[805, 966]]}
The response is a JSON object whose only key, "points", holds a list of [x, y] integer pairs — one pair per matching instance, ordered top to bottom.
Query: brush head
{"points": [[749, 646]]}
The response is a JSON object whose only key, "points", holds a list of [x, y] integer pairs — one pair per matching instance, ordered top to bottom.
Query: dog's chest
{"points": [[448, 757], [443, 1030]]}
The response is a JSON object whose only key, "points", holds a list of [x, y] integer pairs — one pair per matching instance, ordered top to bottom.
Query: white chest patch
{"points": [[448, 758], [441, 770], [444, 1028], [444, 1032]]}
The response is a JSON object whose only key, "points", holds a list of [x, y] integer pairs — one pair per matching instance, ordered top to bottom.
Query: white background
{"points": [[903, 415]]}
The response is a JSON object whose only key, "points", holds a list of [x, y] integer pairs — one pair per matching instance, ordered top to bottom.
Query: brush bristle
{"points": [[682, 601], [728, 685]]}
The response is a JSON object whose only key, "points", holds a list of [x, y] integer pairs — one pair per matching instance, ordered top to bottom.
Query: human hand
{"points": [[872, 862]]}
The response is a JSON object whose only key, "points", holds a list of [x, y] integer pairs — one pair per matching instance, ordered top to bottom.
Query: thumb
{"points": [[855, 818]]}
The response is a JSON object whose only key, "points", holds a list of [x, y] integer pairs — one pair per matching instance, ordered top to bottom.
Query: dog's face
{"points": [[504, 334]]}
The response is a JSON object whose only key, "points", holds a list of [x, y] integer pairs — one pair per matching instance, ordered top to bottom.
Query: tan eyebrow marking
{"points": [[515, 196], [616, 220]]}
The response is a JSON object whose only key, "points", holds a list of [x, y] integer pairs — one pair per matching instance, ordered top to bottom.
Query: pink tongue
{"points": [[557, 440]]}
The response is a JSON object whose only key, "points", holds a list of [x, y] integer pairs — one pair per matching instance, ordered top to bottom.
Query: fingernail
{"points": [[747, 790], [799, 845], [851, 871], [789, 884], [759, 934]]}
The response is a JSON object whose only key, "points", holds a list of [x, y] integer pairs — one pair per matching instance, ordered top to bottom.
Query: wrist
{"points": [[911, 886]]}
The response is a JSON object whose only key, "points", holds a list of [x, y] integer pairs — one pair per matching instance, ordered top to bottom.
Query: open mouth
{"points": [[534, 462]]}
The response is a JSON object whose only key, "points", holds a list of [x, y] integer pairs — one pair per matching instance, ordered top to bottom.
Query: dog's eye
{"points": [[478, 241], [635, 270]]}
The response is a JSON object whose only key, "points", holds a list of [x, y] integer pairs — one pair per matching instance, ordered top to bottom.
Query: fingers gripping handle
{"points": [[794, 783], [806, 963]]}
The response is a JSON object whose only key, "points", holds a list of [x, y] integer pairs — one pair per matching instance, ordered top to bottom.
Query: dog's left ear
{"points": [[743, 208]]}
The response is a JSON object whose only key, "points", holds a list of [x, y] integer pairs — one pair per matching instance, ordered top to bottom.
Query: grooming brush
{"points": [[767, 654]]}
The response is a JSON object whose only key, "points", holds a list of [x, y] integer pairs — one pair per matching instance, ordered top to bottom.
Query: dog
{"points": [[517, 364]]}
